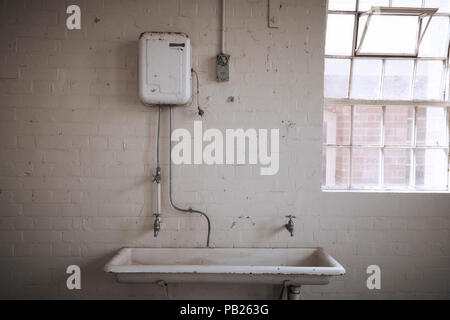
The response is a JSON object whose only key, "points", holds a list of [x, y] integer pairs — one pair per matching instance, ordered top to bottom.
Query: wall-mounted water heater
{"points": [[164, 68]]}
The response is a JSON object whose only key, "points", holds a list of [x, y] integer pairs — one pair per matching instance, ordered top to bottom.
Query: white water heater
{"points": [[164, 68]]}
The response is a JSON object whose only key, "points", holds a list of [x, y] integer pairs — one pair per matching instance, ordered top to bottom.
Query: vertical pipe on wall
{"points": [[222, 48], [157, 179], [158, 201]]}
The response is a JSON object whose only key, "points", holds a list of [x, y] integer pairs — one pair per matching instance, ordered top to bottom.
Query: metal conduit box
{"points": [[164, 68]]}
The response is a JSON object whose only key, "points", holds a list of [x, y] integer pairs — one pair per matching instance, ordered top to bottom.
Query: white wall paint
{"points": [[77, 154]]}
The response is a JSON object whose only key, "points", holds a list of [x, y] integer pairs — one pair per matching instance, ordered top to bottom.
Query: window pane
{"points": [[407, 3], [344, 5], [365, 5], [443, 5], [361, 23], [389, 35], [339, 39], [435, 43], [337, 74], [366, 78], [397, 79], [428, 80], [336, 125], [367, 125], [398, 125], [431, 127], [336, 164], [365, 167], [397, 167], [431, 168]]}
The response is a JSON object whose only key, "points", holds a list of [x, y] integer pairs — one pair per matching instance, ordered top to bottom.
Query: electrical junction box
{"points": [[223, 67], [164, 68]]}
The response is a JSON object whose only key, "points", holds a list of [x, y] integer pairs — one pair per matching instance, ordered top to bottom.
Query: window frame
{"points": [[443, 102]]}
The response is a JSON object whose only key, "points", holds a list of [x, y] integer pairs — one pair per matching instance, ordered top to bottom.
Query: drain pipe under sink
{"points": [[289, 291], [293, 293]]}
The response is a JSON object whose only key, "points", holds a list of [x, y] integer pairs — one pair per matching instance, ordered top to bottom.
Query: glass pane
{"points": [[407, 3], [343, 5], [365, 5], [443, 5], [390, 35], [339, 40], [435, 41], [337, 74], [366, 78], [397, 79], [428, 80], [336, 125], [367, 125], [398, 125], [431, 127], [336, 163], [365, 166], [397, 167], [431, 168]]}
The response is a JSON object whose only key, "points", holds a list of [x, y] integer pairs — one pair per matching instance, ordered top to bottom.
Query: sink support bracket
{"points": [[165, 287]]}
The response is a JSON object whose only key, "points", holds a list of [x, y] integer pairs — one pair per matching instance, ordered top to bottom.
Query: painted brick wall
{"points": [[77, 150]]}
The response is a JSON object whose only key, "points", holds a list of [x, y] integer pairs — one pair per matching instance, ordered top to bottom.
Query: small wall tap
{"points": [[156, 225], [290, 225]]}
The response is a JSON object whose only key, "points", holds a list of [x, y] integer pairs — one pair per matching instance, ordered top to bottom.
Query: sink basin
{"points": [[299, 266]]}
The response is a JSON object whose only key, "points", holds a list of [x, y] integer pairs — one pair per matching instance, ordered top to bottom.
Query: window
{"points": [[392, 31], [386, 87]]}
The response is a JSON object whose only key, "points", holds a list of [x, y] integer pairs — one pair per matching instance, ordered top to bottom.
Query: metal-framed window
{"points": [[412, 25], [386, 115]]}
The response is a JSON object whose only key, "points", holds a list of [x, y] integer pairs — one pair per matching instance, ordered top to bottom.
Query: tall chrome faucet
{"points": [[290, 225]]}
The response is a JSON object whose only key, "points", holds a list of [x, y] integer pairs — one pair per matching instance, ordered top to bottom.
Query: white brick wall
{"points": [[77, 150]]}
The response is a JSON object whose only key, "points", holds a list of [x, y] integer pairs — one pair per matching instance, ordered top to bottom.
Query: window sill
{"points": [[380, 102], [383, 191]]}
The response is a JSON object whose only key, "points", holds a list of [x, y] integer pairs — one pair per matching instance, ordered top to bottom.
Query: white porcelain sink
{"points": [[232, 265]]}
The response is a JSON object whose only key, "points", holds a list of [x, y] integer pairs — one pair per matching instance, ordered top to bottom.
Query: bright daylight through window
{"points": [[386, 112]]}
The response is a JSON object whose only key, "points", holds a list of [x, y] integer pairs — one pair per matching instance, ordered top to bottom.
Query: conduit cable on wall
{"points": [[190, 210]]}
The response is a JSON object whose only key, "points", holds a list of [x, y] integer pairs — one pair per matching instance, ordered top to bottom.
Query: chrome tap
{"points": [[156, 224], [290, 225]]}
